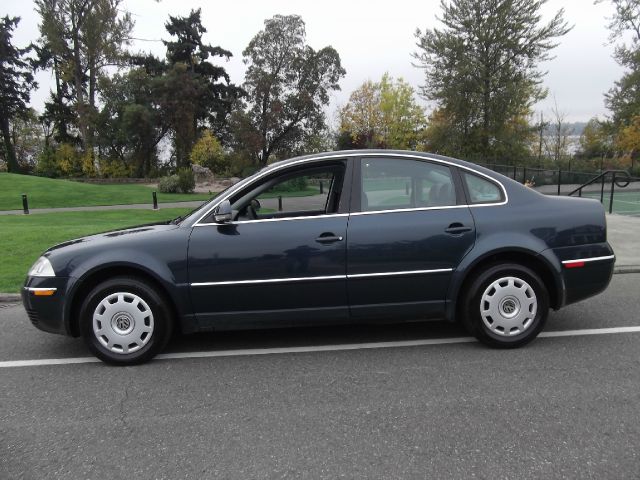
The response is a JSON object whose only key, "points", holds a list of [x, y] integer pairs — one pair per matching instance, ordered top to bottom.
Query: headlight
{"points": [[42, 268]]}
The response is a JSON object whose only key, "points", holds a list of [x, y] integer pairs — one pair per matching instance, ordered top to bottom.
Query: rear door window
{"points": [[391, 184]]}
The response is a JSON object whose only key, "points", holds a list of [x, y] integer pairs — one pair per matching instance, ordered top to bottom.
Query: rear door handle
{"points": [[457, 229], [329, 238]]}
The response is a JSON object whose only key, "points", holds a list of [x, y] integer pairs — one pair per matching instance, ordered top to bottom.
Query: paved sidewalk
{"points": [[133, 206], [623, 233]]}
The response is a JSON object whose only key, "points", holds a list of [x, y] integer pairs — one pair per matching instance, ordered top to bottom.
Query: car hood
{"points": [[110, 236]]}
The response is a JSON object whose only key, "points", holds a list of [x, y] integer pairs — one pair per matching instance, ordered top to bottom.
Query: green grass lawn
{"points": [[53, 193], [25, 237]]}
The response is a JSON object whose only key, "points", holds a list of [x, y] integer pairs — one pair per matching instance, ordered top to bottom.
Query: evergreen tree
{"points": [[481, 71], [16, 83], [197, 92]]}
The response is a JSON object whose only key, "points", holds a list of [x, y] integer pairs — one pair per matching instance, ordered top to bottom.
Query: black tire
{"points": [[156, 313], [526, 326]]}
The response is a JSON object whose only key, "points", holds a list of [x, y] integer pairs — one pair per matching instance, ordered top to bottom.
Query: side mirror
{"points": [[255, 204], [223, 213]]}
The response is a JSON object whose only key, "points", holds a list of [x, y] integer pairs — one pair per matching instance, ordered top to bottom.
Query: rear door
{"points": [[409, 230]]}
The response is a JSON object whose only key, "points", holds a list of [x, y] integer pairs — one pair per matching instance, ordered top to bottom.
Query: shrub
{"points": [[207, 152], [68, 160], [88, 164], [46, 165], [114, 168], [186, 180], [170, 184]]}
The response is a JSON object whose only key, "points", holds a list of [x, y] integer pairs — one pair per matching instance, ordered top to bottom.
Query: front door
{"points": [[411, 232], [282, 259]]}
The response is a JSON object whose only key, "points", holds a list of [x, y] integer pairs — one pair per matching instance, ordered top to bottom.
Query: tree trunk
{"points": [[80, 100], [12, 162]]}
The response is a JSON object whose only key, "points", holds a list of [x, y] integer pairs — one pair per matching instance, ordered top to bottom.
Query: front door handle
{"points": [[457, 229], [328, 238]]}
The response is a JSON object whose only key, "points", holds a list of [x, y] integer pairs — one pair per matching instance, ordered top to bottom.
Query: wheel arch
{"points": [[536, 262], [94, 277]]}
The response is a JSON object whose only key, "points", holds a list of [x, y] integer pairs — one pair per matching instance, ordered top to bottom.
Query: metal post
{"points": [[515, 171], [524, 175], [559, 180], [613, 186], [321, 187], [602, 190], [155, 201], [279, 203], [25, 204]]}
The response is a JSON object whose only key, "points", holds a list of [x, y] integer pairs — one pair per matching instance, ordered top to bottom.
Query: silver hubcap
{"points": [[508, 306], [123, 322]]}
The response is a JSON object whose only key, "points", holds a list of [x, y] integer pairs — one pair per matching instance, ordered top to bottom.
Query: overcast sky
{"points": [[372, 37]]}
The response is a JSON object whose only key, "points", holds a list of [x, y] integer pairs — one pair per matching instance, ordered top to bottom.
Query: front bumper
{"points": [[46, 312]]}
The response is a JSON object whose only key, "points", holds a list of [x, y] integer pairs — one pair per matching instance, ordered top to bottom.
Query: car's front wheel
{"points": [[506, 306], [124, 321]]}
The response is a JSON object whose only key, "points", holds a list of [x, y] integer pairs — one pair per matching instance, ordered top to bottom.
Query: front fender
{"points": [[146, 264]]}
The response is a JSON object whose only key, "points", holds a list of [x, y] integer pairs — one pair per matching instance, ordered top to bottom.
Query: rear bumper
{"points": [[586, 270], [46, 312]]}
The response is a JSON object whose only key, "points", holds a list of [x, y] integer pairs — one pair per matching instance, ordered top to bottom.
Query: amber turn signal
{"points": [[46, 292]]}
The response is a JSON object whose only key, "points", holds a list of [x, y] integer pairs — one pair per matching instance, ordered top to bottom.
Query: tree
{"points": [[80, 38], [481, 70], [16, 83], [287, 84], [197, 93], [624, 98], [384, 115], [361, 118], [132, 123], [27, 138], [595, 140], [628, 140], [557, 142]]}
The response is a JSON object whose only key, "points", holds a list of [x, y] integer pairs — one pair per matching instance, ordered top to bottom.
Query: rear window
{"points": [[481, 190]]}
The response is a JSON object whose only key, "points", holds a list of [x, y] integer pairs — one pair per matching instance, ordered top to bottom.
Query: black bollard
{"points": [[155, 201], [279, 203], [25, 204]]}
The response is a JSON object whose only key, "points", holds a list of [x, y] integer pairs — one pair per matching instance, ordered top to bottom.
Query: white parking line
{"points": [[314, 348]]}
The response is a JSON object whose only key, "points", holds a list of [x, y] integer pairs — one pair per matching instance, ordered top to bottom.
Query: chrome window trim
{"points": [[241, 184], [416, 209], [261, 220], [590, 259], [326, 277]]}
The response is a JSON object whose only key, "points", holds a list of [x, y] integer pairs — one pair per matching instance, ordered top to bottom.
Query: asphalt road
{"points": [[565, 407]]}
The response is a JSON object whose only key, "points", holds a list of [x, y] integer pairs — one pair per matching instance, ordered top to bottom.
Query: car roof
{"points": [[351, 154]]}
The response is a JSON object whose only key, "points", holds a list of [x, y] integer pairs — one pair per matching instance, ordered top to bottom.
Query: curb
{"points": [[626, 269], [15, 297], [10, 298]]}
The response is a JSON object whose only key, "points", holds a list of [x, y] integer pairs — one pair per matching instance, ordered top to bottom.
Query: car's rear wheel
{"points": [[506, 306], [125, 321]]}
